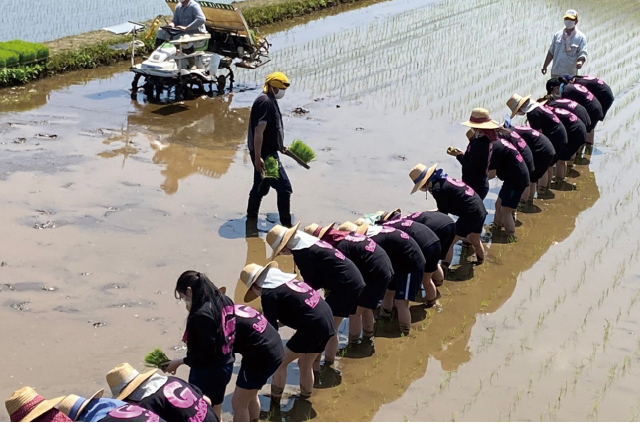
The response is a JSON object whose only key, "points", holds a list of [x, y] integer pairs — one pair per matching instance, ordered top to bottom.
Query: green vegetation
{"points": [[263, 15], [24, 51], [302, 150], [271, 168], [155, 358]]}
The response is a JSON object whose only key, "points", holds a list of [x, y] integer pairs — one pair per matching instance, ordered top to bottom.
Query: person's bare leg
{"points": [[591, 137], [561, 170], [549, 177], [532, 191], [525, 195], [498, 219], [507, 220], [476, 241], [449, 256], [438, 277], [429, 286], [387, 301], [404, 316], [368, 322], [355, 325], [331, 349], [305, 364], [279, 379], [242, 402], [217, 408], [254, 408]]}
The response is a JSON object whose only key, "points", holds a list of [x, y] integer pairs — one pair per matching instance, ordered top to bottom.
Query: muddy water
{"points": [[99, 220]]}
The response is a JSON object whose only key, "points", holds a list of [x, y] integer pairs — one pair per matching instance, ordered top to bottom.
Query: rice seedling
{"points": [[302, 151], [156, 358]]}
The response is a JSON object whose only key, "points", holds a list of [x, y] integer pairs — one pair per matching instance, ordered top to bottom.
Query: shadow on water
{"points": [[445, 334]]}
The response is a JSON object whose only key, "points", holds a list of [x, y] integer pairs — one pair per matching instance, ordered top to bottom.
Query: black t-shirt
{"points": [[599, 88], [583, 96], [573, 107], [265, 109], [545, 121], [572, 124], [538, 143], [523, 148], [475, 161], [509, 164], [457, 198], [435, 221], [423, 236], [403, 251], [372, 261], [322, 266], [295, 304], [256, 339], [206, 346], [179, 401], [132, 413]]}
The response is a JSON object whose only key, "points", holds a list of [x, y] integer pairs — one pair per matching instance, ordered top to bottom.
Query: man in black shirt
{"points": [[266, 139]]}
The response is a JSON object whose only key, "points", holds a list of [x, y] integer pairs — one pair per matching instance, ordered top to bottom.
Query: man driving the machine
{"points": [[187, 17]]}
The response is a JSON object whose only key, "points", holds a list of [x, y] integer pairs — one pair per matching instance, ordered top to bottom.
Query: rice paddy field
{"points": [[105, 200]]}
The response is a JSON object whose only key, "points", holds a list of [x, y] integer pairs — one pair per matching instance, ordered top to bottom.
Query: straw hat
{"points": [[571, 14], [516, 102], [480, 119], [469, 134], [419, 175], [387, 216], [359, 221], [348, 227], [318, 231], [278, 237], [250, 274], [124, 379], [26, 405], [73, 405]]}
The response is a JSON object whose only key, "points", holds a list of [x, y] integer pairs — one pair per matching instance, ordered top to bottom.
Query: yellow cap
{"points": [[277, 80]]}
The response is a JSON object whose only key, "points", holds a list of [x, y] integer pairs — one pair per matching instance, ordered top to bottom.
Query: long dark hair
{"points": [[203, 291]]}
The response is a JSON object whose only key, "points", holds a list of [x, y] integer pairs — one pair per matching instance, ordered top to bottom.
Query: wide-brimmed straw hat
{"points": [[516, 102], [480, 119], [419, 175], [387, 216], [348, 227], [318, 231], [278, 237], [250, 274], [124, 379], [26, 405], [73, 405]]}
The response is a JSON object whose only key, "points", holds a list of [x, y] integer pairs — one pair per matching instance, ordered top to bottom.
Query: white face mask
{"points": [[569, 24], [279, 95]]}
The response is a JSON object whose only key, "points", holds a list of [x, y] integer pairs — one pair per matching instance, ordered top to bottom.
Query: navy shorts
{"points": [[575, 142], [542, 164], [510, 195], [470, 224], [446, 234], [432, 256], [406, 285], [374, 291], [344, 304], [312, 338], [254, 375], [212, 380]]}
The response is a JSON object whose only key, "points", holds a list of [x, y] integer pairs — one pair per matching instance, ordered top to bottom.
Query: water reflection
{"points": [[200, 136]]}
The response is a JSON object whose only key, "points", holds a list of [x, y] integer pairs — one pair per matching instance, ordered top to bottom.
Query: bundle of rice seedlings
{"points": [[302, 150], [271, 168], [156, 358]]}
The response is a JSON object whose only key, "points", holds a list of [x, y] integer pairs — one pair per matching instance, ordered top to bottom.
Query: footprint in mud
{"points": [[47, 136], [20, 141], [46, 212], [46, 225], [26, 286], [115, 286], [21, 306], [63, 309]]}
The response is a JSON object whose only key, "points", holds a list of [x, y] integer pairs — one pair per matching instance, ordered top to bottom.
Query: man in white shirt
{"points": [[568, 48]]}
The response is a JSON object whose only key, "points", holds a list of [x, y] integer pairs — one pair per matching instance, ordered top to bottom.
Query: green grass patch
{"points": [[263, 15], [27, 52], [302, 150]]}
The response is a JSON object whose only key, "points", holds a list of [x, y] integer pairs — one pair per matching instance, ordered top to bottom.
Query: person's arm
{"points": [[199, 20], [582, 53], [549, 57], [258, 134]]}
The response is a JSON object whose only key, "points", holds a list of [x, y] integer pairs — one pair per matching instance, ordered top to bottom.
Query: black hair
{"points": [[563, 80], [203, 291]]}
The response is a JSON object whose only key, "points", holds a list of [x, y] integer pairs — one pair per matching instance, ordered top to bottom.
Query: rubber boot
{"points": [[253, 207], [284, 209]]}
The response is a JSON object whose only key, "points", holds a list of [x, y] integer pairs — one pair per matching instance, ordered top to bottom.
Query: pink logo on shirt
{"points": [[584, 90], [572, 117], [416, 215], [404, 235], [355, 238], [323, 244], [371, 246], [339, 254], [251, 313], [228, 328], [185, 399], [131, 411], [201, 411]]}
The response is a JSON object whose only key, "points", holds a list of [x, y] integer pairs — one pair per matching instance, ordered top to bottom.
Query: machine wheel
{"points": [[231, 79], [222, 81], [180, 86]]}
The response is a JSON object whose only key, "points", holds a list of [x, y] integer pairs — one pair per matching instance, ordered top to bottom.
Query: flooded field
{"points": [[104, 201]]}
